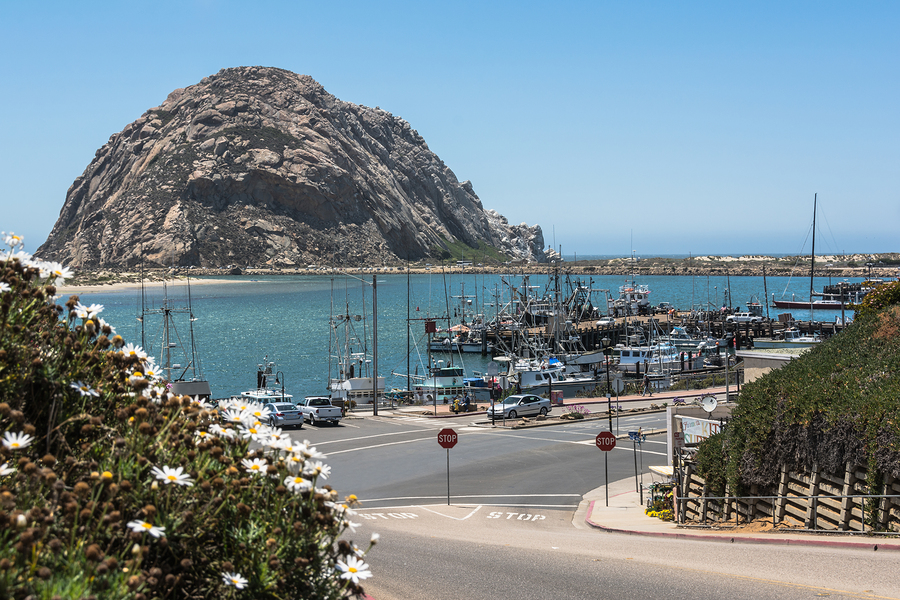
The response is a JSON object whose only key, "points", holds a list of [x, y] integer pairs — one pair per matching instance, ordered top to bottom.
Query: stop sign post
{"points": [[447, 438], [606, 441]]}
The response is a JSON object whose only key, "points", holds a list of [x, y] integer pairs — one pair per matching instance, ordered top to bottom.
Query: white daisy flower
{"points": [[12, 240], [57, 274], [4, 287], [87, 312], [103, 324], [132, 350], [84, 389], [199, 402], [260, 413], [233, 415], [256, 432], [201, 436], [17, 441], [309, 451], [257, 466], [317, 469], [5, 470], [169, 475], [298, 484], [350, 525], [142, 526], [375, 537], [354, 569], [234, 579]]}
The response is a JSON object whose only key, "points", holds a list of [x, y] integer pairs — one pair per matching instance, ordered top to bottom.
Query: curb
{"points": [[740, 539]]}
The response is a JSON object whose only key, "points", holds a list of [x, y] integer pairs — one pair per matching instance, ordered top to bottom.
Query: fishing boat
{"points": [[792, 338], [545, 376], [185, 377], [349, 382], [444, 384], [267, 389]]}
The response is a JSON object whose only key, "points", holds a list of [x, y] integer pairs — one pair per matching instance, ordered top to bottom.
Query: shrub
{"points": [[115, 488]]}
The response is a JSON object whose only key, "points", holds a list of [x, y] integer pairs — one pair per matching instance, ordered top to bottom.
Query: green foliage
{"points": [[456, 250], [884, 295], [837, 403], [114, 488]]}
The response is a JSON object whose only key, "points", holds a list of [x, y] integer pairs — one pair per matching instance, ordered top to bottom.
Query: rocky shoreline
{"points": [[858, 265]]}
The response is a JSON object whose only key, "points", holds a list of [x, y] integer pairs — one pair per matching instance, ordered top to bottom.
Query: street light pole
{"points": [[374, 347]]}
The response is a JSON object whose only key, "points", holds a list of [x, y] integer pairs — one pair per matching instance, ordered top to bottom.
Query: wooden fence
{"points": [[816, 501]]}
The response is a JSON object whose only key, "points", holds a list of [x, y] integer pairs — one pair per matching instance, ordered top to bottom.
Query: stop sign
{"points": [[447, 438], [605, 440]]}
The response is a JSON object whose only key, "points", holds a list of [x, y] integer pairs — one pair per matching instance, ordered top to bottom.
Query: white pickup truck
{"points": [[318, 409]]}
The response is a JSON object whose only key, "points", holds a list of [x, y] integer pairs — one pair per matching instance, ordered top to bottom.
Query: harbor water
{"points": [[287, 318]]}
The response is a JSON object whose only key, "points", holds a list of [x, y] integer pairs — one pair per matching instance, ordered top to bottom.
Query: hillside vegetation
{"points": [[838, 403]]}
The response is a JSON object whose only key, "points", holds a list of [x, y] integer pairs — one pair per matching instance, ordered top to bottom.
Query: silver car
{"points": [[520, 405], [284, 414]]}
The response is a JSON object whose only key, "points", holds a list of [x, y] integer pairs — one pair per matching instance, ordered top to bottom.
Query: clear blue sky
{"points": [[702, 127]]}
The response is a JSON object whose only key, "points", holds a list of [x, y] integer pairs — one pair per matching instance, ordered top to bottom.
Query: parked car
{"points": [[743, 317], [604, 321], [520, 405], [318, 409], [284, 414]]}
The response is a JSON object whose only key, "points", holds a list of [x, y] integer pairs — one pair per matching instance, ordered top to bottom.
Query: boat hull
{"points": [[810, 305]]}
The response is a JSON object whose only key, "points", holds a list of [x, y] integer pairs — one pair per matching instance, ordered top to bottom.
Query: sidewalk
{"points": [[626, 515]]}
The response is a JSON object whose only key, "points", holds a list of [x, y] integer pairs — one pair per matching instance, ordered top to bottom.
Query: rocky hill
{"points": [[259, 166]]}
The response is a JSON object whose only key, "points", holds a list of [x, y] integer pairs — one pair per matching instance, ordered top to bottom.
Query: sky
{"points": [[648, 127]]}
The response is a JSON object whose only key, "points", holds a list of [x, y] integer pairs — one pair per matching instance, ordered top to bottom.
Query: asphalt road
{"points": [[514, 528]]}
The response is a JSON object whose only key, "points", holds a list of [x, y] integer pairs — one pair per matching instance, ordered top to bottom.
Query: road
{"points": [[514, 527]]}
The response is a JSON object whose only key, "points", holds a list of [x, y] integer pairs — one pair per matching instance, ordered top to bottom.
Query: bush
{"points": [[114, 488]]}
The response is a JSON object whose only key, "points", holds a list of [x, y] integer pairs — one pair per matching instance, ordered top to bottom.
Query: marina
{"points": [[237, 321]]}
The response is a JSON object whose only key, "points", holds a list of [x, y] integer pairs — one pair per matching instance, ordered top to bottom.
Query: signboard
{"points": [[430, 327], [697, 430], [447, 438], [605, 440]]}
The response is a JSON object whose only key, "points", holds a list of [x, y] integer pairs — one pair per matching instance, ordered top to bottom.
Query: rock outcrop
{"points": [[258, 166]]}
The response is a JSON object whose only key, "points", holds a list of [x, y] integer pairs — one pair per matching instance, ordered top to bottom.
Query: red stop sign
{"points": [[447, 438], [605, 440]]}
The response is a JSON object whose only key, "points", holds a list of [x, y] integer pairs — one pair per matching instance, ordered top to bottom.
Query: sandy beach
{"points": [[131, 286]]}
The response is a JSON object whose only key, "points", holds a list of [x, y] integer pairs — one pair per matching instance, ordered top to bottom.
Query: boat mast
{"points": [[812, 267]]}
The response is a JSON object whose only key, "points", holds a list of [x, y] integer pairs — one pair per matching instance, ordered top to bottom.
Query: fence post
{"points": [[686, 490], [782, 494], [846, 501], [885, 503], [703, 505], [812, 505]]}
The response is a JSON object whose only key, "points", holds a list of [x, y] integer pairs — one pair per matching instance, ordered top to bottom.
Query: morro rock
{"points": [[258, 166]]}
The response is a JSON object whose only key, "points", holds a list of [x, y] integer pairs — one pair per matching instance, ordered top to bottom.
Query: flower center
{"points": [[171, 478], [147, 526], [351, 569]]}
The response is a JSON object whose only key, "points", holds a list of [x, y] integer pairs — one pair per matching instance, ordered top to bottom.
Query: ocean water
{"points": [[287, 318]]}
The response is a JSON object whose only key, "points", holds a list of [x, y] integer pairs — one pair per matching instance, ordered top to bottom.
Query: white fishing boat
{"points": [[792, 338], [178, 357], [659, 357], [544, 376], [350, 383], [444, 384], [267, 385]]}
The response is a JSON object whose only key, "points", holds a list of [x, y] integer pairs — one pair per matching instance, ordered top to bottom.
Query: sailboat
{"points": [[829, 301]]}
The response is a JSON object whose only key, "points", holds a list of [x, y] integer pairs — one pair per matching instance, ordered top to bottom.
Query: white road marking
{"points": [[368, 437], [380, 445], [471, 496], [477, 508]]}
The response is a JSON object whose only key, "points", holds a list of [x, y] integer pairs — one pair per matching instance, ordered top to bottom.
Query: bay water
{"points": [[240, 321]]}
